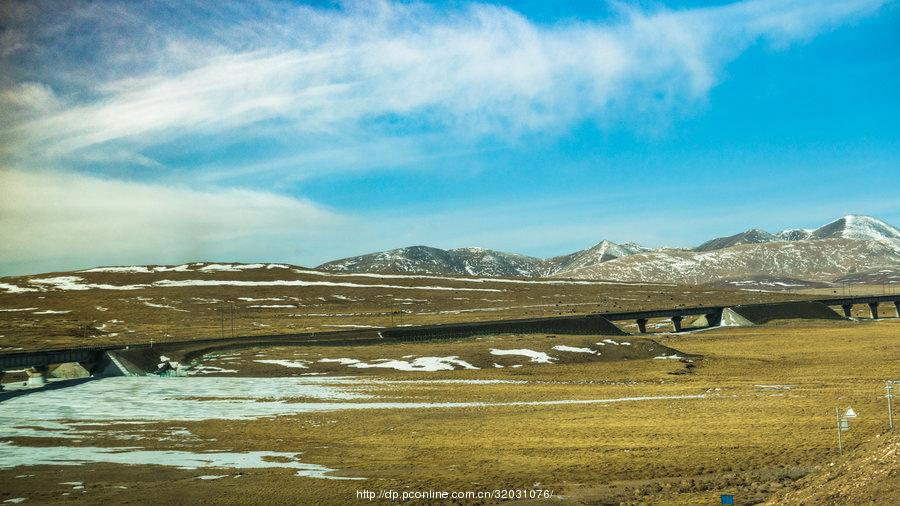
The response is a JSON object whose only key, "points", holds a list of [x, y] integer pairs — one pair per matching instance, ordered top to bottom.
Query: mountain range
{"points": [[851, 247]]}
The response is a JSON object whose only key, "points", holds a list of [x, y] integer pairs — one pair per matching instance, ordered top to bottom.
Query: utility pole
{"points": [[890, 404]]}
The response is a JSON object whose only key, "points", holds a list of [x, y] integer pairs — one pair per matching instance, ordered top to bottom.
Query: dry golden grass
{"points": [[104, 316], [744, 436]]}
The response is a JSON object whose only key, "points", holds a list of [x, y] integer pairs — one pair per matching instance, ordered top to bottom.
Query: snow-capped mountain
{"points": [[852, 226], [865, 228], [847, 246], [602, 252], [427, 260], [810, 260], [479, 261]]}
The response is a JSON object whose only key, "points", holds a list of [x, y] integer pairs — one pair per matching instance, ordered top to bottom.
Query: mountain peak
{"points": [[857, 226], [868, 238]]}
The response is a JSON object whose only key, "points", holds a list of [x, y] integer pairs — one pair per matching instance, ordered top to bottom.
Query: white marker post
{"points": [[890, 405]]}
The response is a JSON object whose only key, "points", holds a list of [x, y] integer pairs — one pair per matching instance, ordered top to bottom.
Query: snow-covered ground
{"points": [[77, 283]]}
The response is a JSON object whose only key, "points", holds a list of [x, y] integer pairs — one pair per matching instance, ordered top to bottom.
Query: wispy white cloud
{"points": [[483, 70], [363, 86], [68, 220]]}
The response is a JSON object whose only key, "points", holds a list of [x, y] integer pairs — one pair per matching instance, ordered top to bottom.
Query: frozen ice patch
{"points": [[209, 369], [13, 456]]}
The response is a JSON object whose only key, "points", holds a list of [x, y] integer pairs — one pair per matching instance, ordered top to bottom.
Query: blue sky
{"points": [[268, 131]]}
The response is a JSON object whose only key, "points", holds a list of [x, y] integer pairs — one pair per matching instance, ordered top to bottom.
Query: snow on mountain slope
{"points": [[853, 226], [794, 234], [753, 236], [851, 244], [602, 252], [426, 260], [820, 260], [478, 261]]}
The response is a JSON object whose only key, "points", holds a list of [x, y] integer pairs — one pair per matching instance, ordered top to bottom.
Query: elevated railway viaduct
{"points": [[97, 358]]}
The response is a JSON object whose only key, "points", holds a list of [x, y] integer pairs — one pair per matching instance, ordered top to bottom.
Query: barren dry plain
{"points": [[752, 418]]}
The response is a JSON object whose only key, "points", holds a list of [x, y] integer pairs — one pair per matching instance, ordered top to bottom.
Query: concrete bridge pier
{"points": [[897, 307], [873, 308], [848, 310], [714, 319], [676, 322], [642, 325], [2, 374], [37, 375]]}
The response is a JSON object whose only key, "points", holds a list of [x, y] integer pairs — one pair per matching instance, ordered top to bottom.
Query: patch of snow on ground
{"points": [[229, 267], [134, 269], [141, 269], [69, 283], [168, 283], [16, 289], [163, 306], [9, 310], [50, 311], [562, 347], [535, 356], [673, 356], [342, 361], [293, 364], [425, 364]]}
